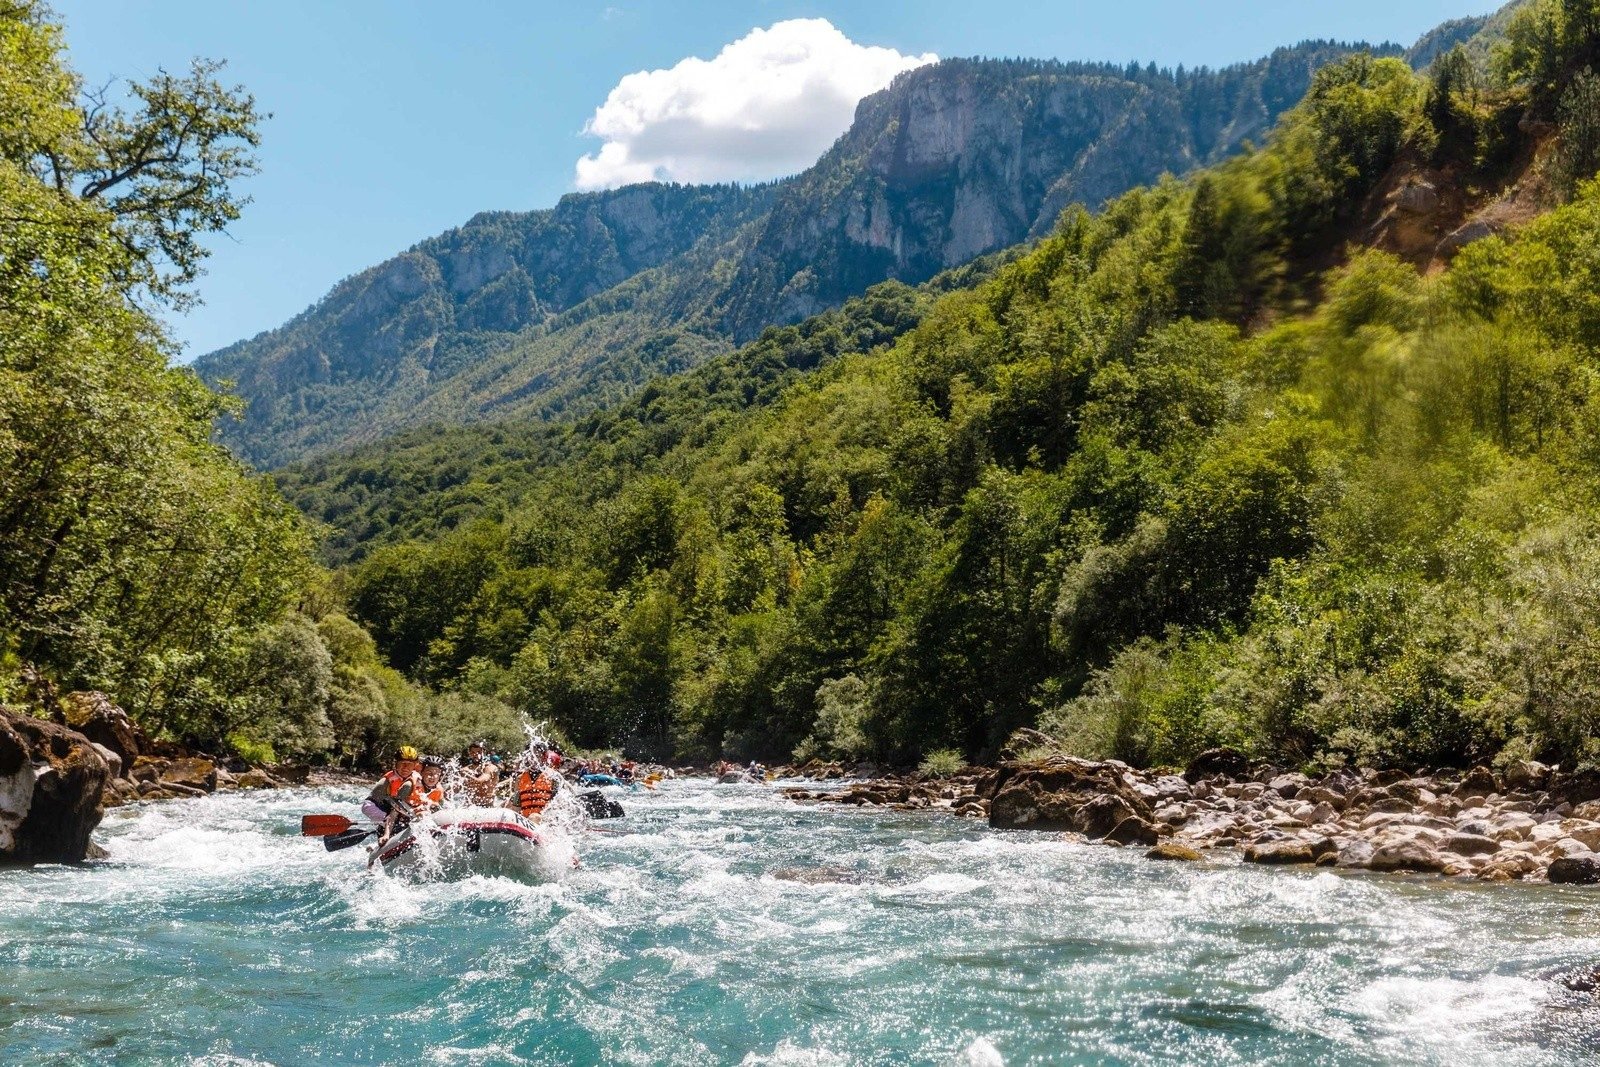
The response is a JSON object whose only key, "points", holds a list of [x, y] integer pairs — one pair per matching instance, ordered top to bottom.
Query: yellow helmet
{"points": [[406, 753]]}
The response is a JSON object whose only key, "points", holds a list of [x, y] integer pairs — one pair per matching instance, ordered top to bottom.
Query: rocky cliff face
{"points": [[557, 311], [386, 336]]}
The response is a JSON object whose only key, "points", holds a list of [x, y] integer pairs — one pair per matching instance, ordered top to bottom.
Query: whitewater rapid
{"points": [[727, 925]]}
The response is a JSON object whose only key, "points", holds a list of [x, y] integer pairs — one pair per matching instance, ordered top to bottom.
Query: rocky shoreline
{"points": [[58, 776], [1531, 823]]}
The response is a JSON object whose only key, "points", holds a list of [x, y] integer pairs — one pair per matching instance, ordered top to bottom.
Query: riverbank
{"points": [[1532, 823]]}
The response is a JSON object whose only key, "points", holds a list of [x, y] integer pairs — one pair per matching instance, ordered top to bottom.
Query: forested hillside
{"points": [[559, 312], [1204, 467]]}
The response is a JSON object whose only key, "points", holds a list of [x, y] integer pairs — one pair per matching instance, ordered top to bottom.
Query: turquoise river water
{"points": [[730, 926]]}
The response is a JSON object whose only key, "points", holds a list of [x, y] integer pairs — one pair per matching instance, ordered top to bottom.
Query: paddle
{"points": [[323, 825], [335, 842]]}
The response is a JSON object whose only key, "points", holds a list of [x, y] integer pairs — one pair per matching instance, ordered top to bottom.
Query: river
{"points": [[730, 926]]}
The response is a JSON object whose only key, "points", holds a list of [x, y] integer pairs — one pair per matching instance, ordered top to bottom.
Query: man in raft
{"points": [[480, 773], [399, 779], [536, 786]]}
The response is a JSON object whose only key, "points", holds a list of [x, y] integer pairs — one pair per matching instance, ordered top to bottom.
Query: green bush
{"points": [[942, 763]]}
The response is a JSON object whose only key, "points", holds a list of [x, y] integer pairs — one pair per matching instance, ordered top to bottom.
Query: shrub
{"points": [[942, 763]]}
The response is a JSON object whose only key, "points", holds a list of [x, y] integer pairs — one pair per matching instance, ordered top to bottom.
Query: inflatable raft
{"points": [[457, 842]]}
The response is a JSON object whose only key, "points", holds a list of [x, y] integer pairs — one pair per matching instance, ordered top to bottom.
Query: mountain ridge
{"points": [[949, 162]]}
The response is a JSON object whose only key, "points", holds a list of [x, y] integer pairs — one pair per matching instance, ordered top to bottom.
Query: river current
{"points": [[726, 925]]}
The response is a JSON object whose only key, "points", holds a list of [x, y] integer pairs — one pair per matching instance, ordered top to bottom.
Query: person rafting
{"points": [[480, 773], [536, 786], [416, 798], [381, 801]]}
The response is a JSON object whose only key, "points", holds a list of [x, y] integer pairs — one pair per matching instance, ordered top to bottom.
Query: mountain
{"points": [[557, 311], [382, 339]]}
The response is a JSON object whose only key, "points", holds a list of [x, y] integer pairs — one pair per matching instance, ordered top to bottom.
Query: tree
{"points": [[163, 169]]}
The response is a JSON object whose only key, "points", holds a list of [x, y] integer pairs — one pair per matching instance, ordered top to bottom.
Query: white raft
{"points": [[457, 842]]}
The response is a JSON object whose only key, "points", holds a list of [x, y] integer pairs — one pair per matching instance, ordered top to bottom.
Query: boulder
{"points": [[1417, 198], [1461, 237], [94, 716], [113, 761], [1228, 762], [191, 772], [294, 773], [1526, 774], [51, 780], [1479, 781], [1288, 786], [1064, 793], [1133, 831], [1464, 844], [1173, 850], [1279, 852], [1356, 852], [1405, 854], [1575, 870]]}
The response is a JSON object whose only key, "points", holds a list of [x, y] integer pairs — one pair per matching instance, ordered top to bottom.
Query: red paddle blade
{"points": [[323, 825]]}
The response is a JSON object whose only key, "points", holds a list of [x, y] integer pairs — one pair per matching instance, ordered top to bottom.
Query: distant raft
{"points": [[459, 842]]}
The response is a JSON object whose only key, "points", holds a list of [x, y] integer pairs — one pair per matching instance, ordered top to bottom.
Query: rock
{"points": [[1417, 198], [1476, 230], [97, 718], [113, 761], [1228, 762], [146, 768], [191, 772], [293, 773], [1526, 774], [1479, 780], [51, 781], [1288, 786], [119, 791], [1063, 793], [1103, 814], [1133, 831], [1464, 844], [1172, 850], [1279, 852], [1356, 852], [1405, 854], [1511, 864], [1575, 870], [1583, 980]]}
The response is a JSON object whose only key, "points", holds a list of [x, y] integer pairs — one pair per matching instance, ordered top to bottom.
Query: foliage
{"points": [[136, 555], [941, 763]]}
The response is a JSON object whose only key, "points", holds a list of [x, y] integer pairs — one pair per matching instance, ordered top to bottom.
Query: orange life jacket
{"points": [[395, 781], [534, 792], [425, 800]]}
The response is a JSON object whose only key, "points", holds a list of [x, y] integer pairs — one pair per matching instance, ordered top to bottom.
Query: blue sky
{"points": [[395, 120]]}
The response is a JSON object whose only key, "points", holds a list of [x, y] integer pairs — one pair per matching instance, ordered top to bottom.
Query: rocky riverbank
{"points": [[58, 775], [1530, 823]]}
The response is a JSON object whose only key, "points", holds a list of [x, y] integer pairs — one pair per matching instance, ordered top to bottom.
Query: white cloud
{"points": [[768, 105]]}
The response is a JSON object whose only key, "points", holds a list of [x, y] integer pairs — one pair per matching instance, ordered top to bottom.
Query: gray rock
{"points": [[1465, 844], [1406, 854]]}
